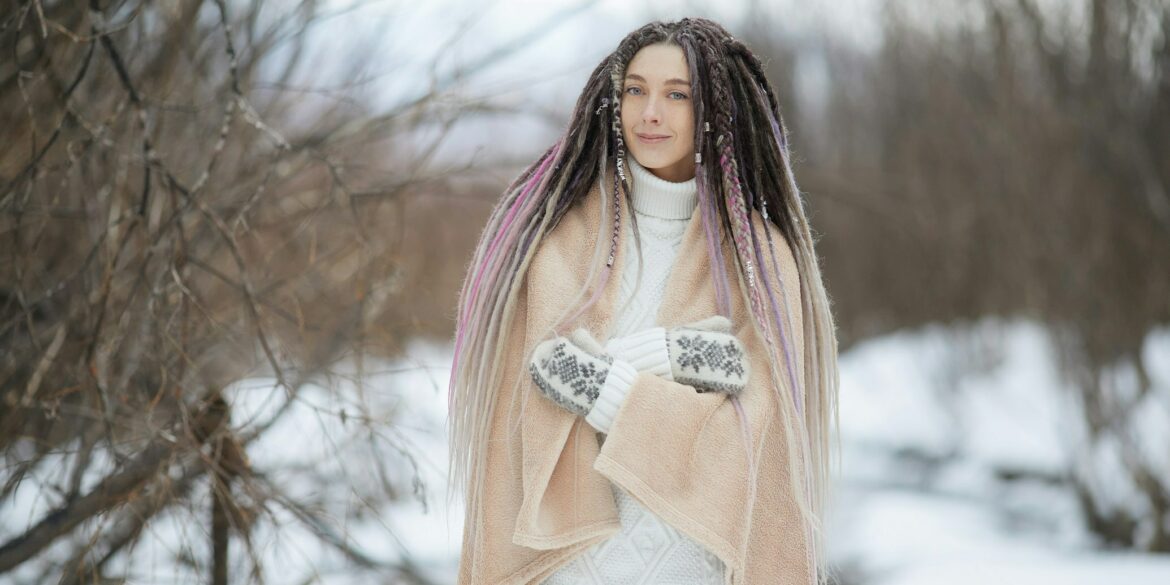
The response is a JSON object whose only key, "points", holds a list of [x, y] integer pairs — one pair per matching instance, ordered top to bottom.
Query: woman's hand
{"points": [[703, 354], [706, 355], [572, 372]]}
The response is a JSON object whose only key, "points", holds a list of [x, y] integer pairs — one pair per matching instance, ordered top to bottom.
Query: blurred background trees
{"points": [[1012, 158], [185, 205]]}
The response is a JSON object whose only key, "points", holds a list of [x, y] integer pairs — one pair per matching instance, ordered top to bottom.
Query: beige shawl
{"points": [[547, 495]]}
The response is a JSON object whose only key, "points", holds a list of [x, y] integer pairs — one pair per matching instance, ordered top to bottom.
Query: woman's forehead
{"points": [[659, 63]]}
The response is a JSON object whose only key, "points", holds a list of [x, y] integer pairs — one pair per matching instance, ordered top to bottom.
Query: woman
{"points": [[691, 446]]}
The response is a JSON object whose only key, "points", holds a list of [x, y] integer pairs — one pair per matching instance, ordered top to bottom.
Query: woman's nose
{"points": [[650, 113]]}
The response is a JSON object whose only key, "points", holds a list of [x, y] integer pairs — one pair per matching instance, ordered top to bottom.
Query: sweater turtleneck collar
{"points": [[661, 198]]}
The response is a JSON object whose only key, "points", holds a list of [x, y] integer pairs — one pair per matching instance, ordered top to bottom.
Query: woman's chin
{"points": [[651, 161]]}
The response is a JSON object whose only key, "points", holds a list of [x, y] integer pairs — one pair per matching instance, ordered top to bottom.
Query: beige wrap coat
{"points": [[547, 495]]}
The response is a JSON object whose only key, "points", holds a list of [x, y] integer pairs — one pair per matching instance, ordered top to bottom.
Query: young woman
{"points": [[645, 359]]}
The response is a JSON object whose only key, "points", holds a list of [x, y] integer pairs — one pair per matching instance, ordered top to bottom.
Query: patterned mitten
{"points": [[703, 354], [706, 355], [576, 371]]}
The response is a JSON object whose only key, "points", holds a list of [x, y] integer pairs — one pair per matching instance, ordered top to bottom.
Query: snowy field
{"points": [[932, 422], [953, 442]]}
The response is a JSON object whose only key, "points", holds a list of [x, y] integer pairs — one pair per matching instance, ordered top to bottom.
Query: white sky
{"points": [[398, 39]]}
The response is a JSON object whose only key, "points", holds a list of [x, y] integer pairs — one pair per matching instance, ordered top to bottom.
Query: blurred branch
{"points": [[167, 231], [127, 528]]}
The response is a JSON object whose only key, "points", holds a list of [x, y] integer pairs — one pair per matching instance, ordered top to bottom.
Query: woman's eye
{"points": [[681, 95]]}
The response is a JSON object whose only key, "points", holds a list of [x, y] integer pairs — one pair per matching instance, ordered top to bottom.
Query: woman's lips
{"points": [[650, 140]]}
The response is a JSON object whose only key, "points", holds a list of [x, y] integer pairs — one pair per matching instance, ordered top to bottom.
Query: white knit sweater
{"points": [[647, 551]]}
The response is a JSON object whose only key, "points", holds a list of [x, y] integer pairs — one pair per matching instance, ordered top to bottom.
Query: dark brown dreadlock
{"points": [[745, 167]]}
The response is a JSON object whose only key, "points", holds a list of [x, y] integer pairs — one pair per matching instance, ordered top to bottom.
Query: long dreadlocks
{"points": [[745, 166]]}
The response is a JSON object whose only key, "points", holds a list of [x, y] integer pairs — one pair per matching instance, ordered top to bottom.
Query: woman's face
{"points": [[656, 101]]}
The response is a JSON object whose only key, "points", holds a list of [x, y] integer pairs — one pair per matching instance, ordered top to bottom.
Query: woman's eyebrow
{"points": [[671, 81]]}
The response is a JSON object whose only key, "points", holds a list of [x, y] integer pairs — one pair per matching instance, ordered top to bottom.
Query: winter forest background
{"points": [[232, 235]]}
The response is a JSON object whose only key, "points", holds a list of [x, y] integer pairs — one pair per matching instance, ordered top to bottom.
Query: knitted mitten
{"points": [[703, 354], [706, 355], [575, 371]]}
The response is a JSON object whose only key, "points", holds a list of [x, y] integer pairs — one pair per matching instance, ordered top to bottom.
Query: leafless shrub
{"points": [[1014, 162], [180, 211]]}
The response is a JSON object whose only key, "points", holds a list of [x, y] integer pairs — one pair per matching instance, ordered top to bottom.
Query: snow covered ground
{"points": [[932, 422], [953, 443]]}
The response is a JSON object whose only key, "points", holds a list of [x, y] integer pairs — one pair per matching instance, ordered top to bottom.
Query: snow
{"points": [[407, 399], [933, 419], [954, 443]]}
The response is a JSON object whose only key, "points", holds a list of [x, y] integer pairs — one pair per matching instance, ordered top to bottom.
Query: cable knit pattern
{"points": [[645, 350], [617, 385], [647, 551]]}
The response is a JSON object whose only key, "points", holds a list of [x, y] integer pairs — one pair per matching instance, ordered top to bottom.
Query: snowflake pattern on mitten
{"points": [[708, 364], [570, 382]]}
